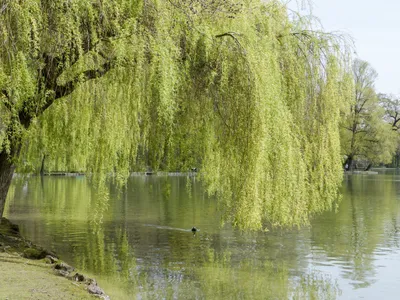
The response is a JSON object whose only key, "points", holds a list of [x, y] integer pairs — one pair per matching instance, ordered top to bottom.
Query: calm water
{"points": [[138, 244]]}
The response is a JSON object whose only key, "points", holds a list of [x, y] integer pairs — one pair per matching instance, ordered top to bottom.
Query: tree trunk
{"points": [[348, 164], [42, 167], [368, 167], [6, 173]]}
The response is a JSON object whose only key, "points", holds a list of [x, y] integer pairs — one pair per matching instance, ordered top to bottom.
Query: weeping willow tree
{"points": [[236, 88]]}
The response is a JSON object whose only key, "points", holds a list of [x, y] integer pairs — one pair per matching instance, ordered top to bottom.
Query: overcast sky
{"points": [[375, 28]]}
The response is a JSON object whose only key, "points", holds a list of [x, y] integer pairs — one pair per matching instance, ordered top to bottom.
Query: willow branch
{"points": [[232, 35], [66, 89], [4, 95]]}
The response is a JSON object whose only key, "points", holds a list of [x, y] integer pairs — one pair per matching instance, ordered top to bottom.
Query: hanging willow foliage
{"points": [[234, 88]]}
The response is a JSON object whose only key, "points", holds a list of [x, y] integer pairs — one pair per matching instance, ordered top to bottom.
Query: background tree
{"points": [[235, 88], [391, 105], [364, 133]]}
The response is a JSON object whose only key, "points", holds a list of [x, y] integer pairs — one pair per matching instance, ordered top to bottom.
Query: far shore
{"points": [[148, 173]]}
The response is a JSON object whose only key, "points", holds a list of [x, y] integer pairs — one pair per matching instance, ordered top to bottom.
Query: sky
{"points": [[375, 28]]}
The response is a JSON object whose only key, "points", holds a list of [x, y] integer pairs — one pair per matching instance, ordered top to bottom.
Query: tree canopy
{"points": [[236, 88], [391, 106], [365, 134]]}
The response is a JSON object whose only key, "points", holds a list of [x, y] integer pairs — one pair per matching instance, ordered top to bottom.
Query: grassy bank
{"points": [[30, 272], [22, 278]]}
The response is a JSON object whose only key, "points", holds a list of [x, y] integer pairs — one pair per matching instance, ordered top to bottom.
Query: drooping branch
{"points": [[3, 8], [232, 35], [48, 87], [68, 88], [62, 90], [6, 99]]}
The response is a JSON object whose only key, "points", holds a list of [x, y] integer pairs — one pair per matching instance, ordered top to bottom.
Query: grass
{"points": [[24, 274], [22, 278]]}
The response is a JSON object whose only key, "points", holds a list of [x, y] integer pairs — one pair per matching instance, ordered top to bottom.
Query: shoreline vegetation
{"points": [[362, 172], [76, 174], [190, 174], [28, 271]]}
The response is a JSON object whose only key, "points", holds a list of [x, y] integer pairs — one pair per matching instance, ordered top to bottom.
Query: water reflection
{"points": [[365, 225], [138, 243]]}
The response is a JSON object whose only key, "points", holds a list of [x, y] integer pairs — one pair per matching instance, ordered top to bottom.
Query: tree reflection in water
{"points": [[137, 242]]}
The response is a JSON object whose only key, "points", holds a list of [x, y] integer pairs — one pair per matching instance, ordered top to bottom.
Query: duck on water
{"points": [[194, 229]]}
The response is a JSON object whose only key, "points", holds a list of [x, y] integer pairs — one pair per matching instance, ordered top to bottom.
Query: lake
{"points": [[138, 244]]}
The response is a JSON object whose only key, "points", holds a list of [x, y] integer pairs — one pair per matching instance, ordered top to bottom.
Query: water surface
{"points": [[138, 244]]}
